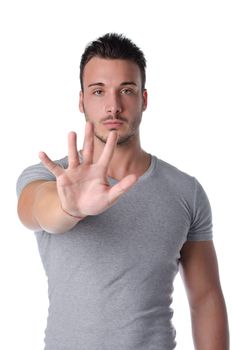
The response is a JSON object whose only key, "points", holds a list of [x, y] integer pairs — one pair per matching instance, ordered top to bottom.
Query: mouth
{"points": [[113, 124]]}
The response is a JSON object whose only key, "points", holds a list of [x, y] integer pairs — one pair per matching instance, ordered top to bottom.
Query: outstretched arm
{"points": [[80, 190], [199, 271]]}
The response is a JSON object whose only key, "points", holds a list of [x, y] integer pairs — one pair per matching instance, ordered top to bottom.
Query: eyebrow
{"points": [[128, 83], [94, 84], [122, 84]]}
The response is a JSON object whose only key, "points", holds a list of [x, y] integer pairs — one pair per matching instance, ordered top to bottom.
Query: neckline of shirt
{"points": [[144, 176]]}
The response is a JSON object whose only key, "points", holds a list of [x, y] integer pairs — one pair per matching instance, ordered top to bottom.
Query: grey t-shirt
{"points": [[110, 278]]}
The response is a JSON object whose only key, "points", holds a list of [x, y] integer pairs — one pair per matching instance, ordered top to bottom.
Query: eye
{"points": [[127, 91], [97, 92]]}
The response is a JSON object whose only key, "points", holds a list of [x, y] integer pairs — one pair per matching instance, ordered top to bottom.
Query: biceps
{"points": [[199, 269]]}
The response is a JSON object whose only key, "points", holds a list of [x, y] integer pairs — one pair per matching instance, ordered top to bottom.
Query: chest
{"points": [[141, 233]]}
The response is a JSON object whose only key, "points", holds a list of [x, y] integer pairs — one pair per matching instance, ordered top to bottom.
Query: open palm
{"points": [[83, 188]]}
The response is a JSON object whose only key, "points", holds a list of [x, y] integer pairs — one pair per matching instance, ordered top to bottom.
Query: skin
{"points": [[112, 91], [118, 96], [106, 152], [199, 271]]}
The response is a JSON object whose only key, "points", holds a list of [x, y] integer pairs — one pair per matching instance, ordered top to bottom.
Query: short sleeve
{"points": [[37, 172], [201, 228]]}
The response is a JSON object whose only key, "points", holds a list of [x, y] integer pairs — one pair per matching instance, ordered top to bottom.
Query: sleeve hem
{"points": [[200, 237]]}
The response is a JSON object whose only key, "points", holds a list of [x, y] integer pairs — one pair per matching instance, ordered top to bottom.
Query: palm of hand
{"points": [[83, 189]]}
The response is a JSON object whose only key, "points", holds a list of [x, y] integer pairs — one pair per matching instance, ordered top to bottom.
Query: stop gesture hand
{"points": [[83, 188]]}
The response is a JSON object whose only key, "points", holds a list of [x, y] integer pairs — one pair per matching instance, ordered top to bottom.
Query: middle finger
{"points": [[88, 143], [73, 158]]}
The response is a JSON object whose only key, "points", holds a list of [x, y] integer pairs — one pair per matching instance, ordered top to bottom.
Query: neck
{"points": [[128, 158]]}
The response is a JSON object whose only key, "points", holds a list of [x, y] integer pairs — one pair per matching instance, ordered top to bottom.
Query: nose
{"points": [[113, 105]]}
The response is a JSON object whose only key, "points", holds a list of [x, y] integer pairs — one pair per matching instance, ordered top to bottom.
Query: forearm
{"points": [[47, 211], [209, 323]]}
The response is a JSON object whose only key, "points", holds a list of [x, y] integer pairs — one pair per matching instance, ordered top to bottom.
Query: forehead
{"points": [[111, 71]]}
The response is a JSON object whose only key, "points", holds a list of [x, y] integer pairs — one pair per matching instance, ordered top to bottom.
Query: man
{"points": [[114, 223]]}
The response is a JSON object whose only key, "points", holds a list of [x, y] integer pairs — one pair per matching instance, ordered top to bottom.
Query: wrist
{"points": [[78, 217]]}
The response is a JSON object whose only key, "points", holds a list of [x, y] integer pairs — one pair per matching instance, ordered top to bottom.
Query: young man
{"points": [[114, 224]]}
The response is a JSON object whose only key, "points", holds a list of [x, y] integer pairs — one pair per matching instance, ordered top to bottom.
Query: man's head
{"points": [[114, 46], [112, 73]]}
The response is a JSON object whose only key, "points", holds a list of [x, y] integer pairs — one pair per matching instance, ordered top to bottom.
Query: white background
{"points": [[188, 49]]}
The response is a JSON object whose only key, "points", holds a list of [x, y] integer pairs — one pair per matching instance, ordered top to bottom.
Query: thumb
{"points": [[121, 187]]}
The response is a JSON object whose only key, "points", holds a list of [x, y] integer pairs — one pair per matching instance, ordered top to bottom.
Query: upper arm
{"points": [[25, 204], [199, 270]]}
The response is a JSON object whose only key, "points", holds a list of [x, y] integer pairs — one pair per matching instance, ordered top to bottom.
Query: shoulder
{"points": [[37, 172], [175, 178]]}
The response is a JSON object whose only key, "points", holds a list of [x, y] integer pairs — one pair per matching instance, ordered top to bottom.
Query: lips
{"points": [[113, 123]]}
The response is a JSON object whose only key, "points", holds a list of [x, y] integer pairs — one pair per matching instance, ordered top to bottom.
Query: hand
{"points": [[83, 189]]}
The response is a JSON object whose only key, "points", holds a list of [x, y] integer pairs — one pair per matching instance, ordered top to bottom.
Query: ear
{"points": [[144, 99], [81, 102]]}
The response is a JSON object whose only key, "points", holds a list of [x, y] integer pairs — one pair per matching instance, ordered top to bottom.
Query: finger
{"points": [[88, 143], [108, 150], [73, 158], [54, 168], [121, 187]]}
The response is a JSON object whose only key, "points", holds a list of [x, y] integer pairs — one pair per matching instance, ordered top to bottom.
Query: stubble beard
{"points": [[122, 139]]}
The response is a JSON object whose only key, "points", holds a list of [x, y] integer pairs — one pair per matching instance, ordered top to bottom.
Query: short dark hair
{"points": [[114, 46]]}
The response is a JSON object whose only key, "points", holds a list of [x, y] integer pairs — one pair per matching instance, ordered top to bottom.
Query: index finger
{"points": [[108, 150]]}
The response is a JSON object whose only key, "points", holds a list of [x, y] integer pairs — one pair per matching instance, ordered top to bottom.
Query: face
{"points": [[112, 97]]}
